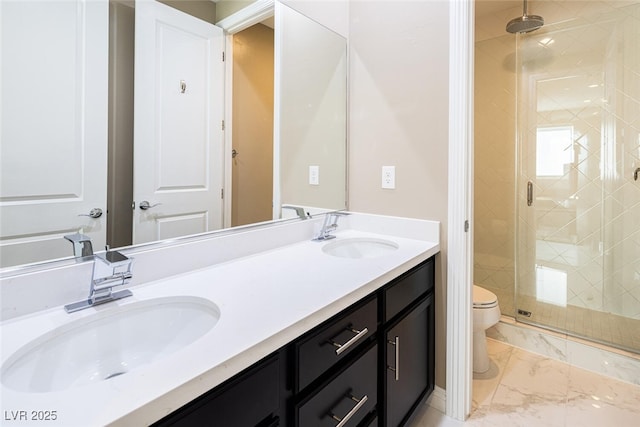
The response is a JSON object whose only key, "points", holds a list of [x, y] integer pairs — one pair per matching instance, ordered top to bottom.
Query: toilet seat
{"points": [[483, 298]]}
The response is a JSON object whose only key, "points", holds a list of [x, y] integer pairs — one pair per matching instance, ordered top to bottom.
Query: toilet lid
{"points": [[483, 297]]}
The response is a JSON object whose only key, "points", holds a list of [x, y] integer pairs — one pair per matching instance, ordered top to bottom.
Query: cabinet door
{"points": [[409, 363]]}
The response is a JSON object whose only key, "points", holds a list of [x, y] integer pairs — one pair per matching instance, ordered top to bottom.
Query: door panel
{"points": [[178, 124], [53, 126], [407, 355]]}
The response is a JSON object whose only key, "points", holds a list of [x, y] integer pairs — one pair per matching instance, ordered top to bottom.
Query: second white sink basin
{"points": [[359, 247], [108, 344]]}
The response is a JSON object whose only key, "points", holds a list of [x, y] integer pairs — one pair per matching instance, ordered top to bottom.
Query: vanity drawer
{"points": [[407, 288], [332, 341], [352, 395], [249, 399]]}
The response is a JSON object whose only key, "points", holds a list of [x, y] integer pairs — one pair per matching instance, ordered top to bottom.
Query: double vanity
{"points": [[259, 326]]}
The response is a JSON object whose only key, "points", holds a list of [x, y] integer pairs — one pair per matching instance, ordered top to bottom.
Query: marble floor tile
{"points": [[538, 376], [486, 383], [523, 389], [606, 390], [513, 406], [584, 410]]}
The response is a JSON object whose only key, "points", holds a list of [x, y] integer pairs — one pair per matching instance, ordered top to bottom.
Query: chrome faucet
{"points": [[299, 211], [330, 224], [81, 245], [110, 270]]}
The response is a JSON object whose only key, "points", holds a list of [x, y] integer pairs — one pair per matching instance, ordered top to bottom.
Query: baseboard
{"points": [[438, 399]]}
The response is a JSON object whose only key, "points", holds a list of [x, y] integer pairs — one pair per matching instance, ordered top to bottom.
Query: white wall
{"points": [[399, 53]]}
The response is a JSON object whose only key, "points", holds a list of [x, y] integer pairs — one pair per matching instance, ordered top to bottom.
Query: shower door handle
{"points": [[529, 193]]}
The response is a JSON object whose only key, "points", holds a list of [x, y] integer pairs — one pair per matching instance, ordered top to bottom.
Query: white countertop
{"points": [[266, 300]]}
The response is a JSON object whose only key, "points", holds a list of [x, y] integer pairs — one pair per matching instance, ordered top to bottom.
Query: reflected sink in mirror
{"points": [[359, 248], [108, 344]]}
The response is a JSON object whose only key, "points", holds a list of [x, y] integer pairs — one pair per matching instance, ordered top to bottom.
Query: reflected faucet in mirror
{"points": [[299, 211], [82, 246]]}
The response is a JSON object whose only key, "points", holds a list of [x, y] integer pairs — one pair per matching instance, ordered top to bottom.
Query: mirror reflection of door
{"points": [[178, 116], [252, 129], [54, 130]]}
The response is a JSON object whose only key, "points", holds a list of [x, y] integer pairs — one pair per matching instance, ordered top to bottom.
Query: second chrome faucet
{"points": [[330, 225]]}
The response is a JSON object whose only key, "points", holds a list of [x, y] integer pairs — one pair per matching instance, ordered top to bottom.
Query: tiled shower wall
{"points": [[581, 69]]}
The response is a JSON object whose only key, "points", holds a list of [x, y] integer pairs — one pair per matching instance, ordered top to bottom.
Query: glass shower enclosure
{"points": [[578, 177]]}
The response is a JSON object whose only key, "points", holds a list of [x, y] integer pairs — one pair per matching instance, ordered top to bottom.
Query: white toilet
{"points": [[486, 313]]}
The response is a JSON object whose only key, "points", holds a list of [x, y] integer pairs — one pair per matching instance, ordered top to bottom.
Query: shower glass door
{"points": [[578, 204]]}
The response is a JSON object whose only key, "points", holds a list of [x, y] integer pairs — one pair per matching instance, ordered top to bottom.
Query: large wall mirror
{"points": [[89, 117]]}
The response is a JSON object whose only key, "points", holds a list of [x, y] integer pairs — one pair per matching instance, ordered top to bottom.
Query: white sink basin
{"points": [[359, 248], [108, 344]]}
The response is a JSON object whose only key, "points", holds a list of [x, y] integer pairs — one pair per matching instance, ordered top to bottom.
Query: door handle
{"points": [[635, 174], [529, 193], [144, 205], [93, 213]]}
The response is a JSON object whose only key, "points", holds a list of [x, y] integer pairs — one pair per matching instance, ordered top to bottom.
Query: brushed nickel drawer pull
{"points": [[342, 347], [395, 369], [359, 402]]}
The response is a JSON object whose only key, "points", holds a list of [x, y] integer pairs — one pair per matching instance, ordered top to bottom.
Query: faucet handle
{"points": [[115, 260]]}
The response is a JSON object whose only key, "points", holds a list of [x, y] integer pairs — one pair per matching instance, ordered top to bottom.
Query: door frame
{"points": [[241, 20], [459, 371]]}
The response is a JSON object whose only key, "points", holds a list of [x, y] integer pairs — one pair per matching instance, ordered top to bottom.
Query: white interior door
{"points": [[53, 121], [178, 136]]}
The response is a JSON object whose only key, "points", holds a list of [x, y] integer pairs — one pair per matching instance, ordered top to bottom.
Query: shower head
{"points": [[525, 23]]}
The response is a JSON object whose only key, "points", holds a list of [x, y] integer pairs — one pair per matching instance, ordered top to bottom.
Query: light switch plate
{"points": [[314, 175], [389, 177]]}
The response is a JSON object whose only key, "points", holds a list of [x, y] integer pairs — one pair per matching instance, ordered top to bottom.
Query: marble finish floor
{"points": [[525, 389]]}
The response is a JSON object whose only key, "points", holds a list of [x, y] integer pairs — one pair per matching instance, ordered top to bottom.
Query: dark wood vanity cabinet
{"points": [[408, 336], [318, 351], [369, 366], [408, 369], [349, 397], [249, 399]]}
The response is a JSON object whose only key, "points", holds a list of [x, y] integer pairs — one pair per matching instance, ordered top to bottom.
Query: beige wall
{"points": [[225, 8], [202, 9], [333, 14], [399, 57], [311, 120], [252, 125]]}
